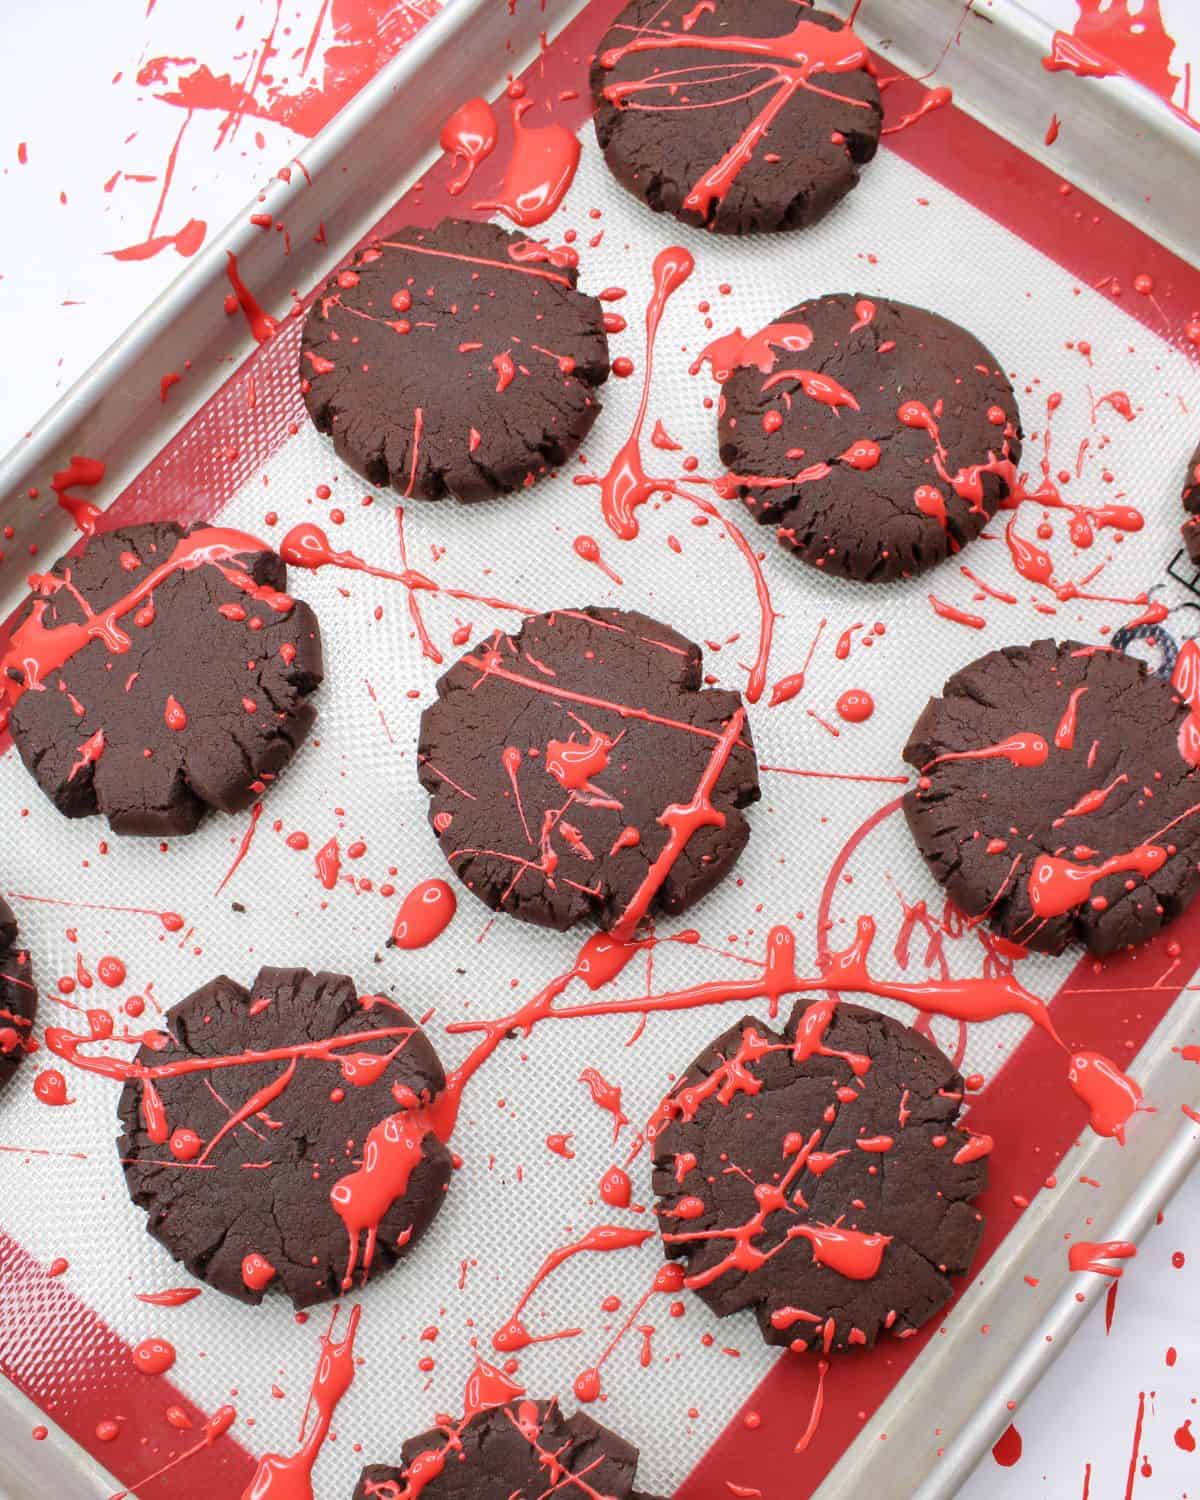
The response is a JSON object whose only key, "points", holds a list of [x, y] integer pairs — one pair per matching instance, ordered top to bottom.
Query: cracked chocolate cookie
{"points": [[742, 116], [455, 361], [876, 438], [160, 672], [577, 770], [1058, 796], [18, 997], [281, 1135], [818, 1176], [517, 1449]]}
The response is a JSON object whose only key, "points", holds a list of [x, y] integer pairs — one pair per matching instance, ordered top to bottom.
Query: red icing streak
{"points": [[934, 99], [470, 137], [540, 169], [734, 351], [85, 471], [626, 486], [959, 616], [175, 714], [1064, 735], [1024, 749], [89, 753], [243, 847], [329, 863], [1058, 885], [424, 914], [50, 1088], [606, 1096], [615, 1188], [1092, 1255], [174, 1296], [514, 1335], [1184, 1437], [290, 1477]]}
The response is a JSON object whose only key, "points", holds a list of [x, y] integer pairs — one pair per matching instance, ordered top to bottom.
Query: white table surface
{"points": [[71, 95]]}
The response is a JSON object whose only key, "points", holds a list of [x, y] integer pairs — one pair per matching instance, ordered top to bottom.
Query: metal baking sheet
{"points": [[953, 1397]]}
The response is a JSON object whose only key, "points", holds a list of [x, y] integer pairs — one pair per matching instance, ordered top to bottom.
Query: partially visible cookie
{"points": [[742, 116], [459, 361], [876, 438], [1191, 504], [160, 672], [560, 762], [1058, 796], [18, 997], [279, 1137], [818, 1177], [525, 1448]]}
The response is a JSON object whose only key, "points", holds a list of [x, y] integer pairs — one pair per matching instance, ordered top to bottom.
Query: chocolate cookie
{"points": [[743, 116], [456, 361], [876, 438], [1191, 503], [159, 672], [577, 770], [1057, 796], [18, 997], [279, 1135], [818, 1176], [524, 1448]]}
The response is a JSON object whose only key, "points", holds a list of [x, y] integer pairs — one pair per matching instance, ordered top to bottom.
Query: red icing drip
{"points": [[934, 99], [470, 137], [540, 169], [261, 324], [86, 471], [855, 705], [329, 864], [424, 914], [1111, 1096], [1090, 1255], [154, 1356]]}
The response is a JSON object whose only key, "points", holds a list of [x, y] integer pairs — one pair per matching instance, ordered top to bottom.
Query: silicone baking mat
{"points": [[828, 845]]}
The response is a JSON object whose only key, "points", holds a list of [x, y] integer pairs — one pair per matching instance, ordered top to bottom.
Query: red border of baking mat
{"points": [[188, 482]]}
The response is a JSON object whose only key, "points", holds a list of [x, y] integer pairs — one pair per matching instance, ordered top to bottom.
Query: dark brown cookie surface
{"points": [[742, 115], [454, 361], [877, 438], [1191, 504], [162, 672], [561, 762], [1056, 796], [18, 997], [280, 1138], [817, 1176], [524, 1448]]}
